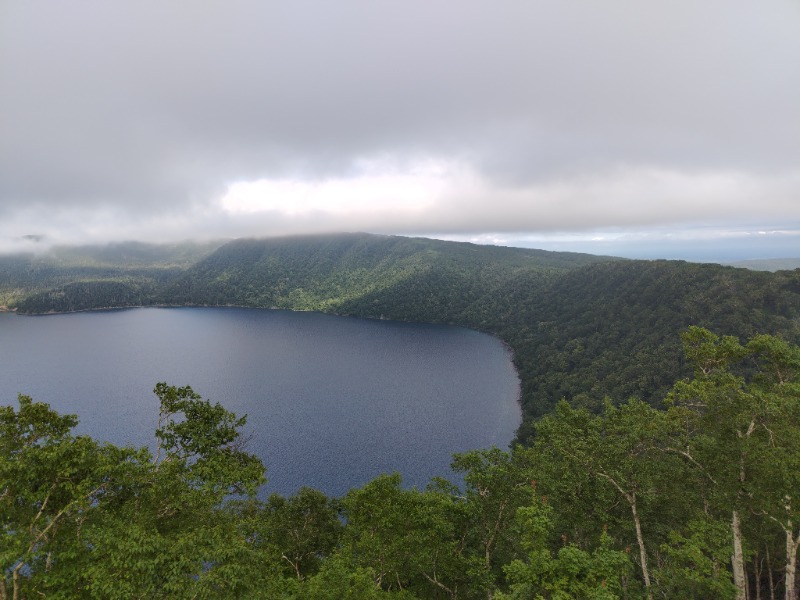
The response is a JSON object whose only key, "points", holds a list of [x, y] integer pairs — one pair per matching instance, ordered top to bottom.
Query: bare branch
{"points": [[690, 458], [438, 583]]}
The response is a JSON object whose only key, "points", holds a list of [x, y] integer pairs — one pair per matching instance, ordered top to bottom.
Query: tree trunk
{"points": [[630, 497], [640, 540], [737, 560], [488, 563], [791, 565], [758, 569], [769, 575], [17, 582]]}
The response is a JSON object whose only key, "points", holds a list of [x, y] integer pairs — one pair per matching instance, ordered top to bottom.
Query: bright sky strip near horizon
{"points": [[624, 127]]}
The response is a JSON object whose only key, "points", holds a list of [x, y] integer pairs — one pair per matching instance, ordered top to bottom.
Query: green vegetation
{"points": [[45, 282], [581, 327], [645, 468], [695, 500]]}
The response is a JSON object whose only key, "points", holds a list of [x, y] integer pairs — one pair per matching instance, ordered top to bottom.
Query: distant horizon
{"points": [[699, 244], [722, 250], [696, 251]]}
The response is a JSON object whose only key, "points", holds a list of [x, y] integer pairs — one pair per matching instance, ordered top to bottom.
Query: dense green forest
{"points": [[581, 327], [695, 500]]}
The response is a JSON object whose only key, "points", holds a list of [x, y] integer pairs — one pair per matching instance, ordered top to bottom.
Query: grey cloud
{"points": [[146, 110]]}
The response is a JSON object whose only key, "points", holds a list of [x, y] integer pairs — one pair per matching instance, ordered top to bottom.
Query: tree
{"points": [[776, 386], [718, 418], [736, 423], [201, 442], [617, 449], [51, 484], [496, 485], [162, 525], [175, 533], [298, 533], [408, 538], [693, 561], [570, 572]]}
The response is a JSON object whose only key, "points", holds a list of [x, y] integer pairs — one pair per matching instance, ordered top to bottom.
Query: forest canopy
{"points": [[692, 500]]}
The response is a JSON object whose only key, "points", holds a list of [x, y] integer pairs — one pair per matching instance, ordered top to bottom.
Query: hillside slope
{"points": [[338, 273], [79, 277]]}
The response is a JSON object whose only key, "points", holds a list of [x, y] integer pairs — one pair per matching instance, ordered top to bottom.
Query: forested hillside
{"points": [[359, 273], [43, 282], [581, 327]]}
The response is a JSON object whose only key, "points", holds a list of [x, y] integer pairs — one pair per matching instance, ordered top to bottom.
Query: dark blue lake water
{"points": [[331, 401]]}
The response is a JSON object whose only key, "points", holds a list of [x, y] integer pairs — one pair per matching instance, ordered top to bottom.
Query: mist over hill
{"points": [[581, 327]]}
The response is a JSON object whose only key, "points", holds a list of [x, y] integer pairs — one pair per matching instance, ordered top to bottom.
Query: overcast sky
{"points": [[627, 126]]}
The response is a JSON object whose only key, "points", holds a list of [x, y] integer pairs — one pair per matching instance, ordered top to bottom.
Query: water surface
{"points": [[331, 401]]}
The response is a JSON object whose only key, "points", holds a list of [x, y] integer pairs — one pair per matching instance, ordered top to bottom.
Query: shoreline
{"points": [[506, 345]]}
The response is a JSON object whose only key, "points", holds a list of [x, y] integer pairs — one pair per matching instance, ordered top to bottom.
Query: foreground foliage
{"points": [[696, 500]]}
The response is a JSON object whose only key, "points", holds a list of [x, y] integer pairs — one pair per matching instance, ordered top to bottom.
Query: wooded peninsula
{"points": [[658, 457]]}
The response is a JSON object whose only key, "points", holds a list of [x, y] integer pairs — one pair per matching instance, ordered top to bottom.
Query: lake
{"points": [[331, 401]]}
